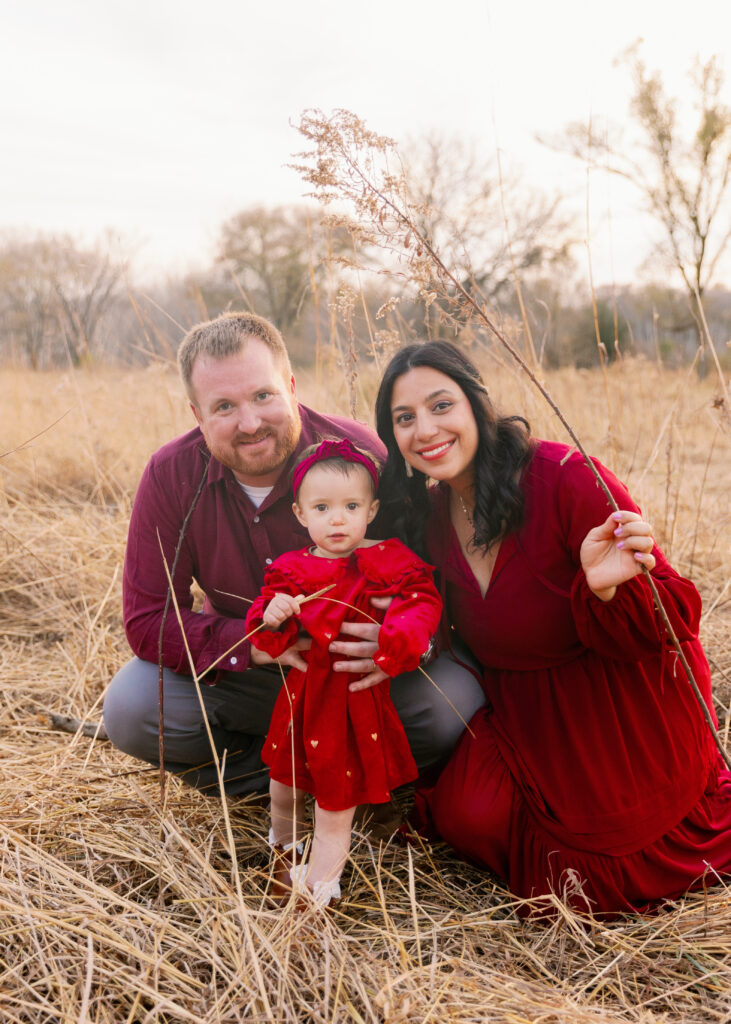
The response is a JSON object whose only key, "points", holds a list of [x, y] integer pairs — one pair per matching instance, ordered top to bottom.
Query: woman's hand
{"points": [[615, 552], [280, 608], [359, 654], [291, 656]]}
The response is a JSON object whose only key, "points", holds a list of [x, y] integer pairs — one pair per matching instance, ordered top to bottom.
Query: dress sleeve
{"points": [[410, 622], [629, 627], [273, 642]]}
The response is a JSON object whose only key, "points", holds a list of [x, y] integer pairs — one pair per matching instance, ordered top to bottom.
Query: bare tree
{"points": [[683, 179], [489, 229], [268, 250], [86, 283], [53, 297], [26, 302]]}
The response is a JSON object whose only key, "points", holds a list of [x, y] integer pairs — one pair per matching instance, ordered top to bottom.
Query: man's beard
{"points": [[234, 456]]}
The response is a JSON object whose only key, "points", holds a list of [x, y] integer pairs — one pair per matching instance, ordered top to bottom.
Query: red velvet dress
{"points": [[346, 748], [591, 770]]}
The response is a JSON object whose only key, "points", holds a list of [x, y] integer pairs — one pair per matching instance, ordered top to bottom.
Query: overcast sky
{"points": [[160, 118]]}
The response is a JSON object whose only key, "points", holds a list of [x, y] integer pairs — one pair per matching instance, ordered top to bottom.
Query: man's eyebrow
{"points": [[253, 389], [434, 394]]}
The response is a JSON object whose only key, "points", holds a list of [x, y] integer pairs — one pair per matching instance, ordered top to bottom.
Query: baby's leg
{"points": [[288, 804], [330, 845]]}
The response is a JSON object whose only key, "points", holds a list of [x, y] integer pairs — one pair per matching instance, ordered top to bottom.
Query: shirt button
{"points": [[256, 519], [268, 561], [234, 661]]}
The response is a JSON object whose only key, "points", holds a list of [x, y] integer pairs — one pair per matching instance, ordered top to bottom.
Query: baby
{"points": [[346, 747]]}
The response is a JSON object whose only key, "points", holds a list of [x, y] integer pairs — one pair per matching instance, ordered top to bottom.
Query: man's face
{"points": [[247, 411]]}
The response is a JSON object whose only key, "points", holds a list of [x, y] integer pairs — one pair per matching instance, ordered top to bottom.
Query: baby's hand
{"points": [[280, 608]]}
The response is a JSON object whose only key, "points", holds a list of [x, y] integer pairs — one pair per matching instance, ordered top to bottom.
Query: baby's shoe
{"points": [[325, 895]]}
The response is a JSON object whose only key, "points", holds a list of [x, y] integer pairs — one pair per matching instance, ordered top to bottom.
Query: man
{"points": [[214, 506]]}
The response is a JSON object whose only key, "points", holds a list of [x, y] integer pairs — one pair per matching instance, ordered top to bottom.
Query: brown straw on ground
{"points": [[102, 920]]}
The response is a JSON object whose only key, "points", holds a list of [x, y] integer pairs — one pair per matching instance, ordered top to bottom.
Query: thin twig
{"points": [[421, 242], [714, 355], [24, 444], [700, 495], [168, 596], [219, 659], [436, 686], [68, 724], [219, 771]]}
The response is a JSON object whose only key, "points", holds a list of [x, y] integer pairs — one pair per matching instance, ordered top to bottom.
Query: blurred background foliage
{"points": [[64, 301]]}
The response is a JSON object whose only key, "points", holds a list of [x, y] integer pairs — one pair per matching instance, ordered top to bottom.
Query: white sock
{"points": [[286, 846], [322, 892]]}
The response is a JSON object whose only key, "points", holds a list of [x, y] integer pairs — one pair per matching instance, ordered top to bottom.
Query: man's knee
{"points": [[454, 696], [235, 708], [435, 708], [130, 712]]}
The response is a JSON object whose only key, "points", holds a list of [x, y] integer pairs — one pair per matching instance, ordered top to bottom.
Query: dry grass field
{"points": [[113, 909]]}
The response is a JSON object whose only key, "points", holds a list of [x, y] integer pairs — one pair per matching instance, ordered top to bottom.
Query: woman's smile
{"points": [[435, 451]]}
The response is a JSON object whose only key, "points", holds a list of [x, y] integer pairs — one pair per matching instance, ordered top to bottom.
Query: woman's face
{"points": [[434, 425]]}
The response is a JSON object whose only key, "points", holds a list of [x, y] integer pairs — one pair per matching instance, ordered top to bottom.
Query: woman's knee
{"points": [[473, 801], [455, 815]]}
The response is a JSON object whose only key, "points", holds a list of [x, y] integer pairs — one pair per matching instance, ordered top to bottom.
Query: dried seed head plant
{"points": [[353, 167], [358, 176], [345, 305]]}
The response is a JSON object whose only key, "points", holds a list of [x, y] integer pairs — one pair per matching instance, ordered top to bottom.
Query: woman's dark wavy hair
{"points": [[503, 449]]}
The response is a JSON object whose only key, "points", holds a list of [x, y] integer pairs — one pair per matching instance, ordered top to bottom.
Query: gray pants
{"points": [[239, 708]]}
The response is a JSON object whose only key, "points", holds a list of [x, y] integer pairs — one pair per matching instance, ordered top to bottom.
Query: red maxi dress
{"points": [[346, 748], [591, 771]]}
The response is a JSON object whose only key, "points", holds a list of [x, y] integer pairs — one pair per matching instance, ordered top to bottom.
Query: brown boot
{"points": [[281, 886]]}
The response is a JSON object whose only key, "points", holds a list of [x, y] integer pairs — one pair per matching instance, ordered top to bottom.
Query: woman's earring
{"points": [[409, 470]]}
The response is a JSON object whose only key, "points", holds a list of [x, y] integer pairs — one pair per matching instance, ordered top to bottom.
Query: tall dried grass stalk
{"points": [[351, 164]]}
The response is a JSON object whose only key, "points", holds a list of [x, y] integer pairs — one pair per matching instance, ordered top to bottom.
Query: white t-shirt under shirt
{"points": [[256, 494]]}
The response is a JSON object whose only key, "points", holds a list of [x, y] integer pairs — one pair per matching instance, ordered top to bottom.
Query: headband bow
{"points": [[334, 450]]}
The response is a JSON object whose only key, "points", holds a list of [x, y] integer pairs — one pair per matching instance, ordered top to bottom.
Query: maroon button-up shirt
{"points": [[227, 547]]}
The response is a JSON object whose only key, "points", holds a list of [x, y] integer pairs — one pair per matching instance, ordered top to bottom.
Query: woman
{"points": [[590, 771]]}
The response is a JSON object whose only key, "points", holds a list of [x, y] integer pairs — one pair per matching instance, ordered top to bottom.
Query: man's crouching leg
{"points": [[239, 709], [435, 710]]}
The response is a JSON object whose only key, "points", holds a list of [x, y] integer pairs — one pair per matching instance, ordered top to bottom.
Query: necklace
{"points": [[467, 514]]}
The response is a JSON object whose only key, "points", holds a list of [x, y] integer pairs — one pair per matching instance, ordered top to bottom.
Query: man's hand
{"points": [[280, 608], [359, 654], [291, 656]]}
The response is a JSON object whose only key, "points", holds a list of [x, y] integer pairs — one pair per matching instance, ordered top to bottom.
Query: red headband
{"points": [[333, 450]]}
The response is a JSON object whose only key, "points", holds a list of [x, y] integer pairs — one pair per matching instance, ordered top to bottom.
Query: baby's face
{"points": [[336, 508]]}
